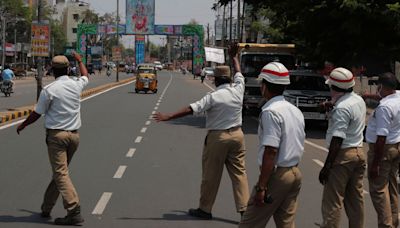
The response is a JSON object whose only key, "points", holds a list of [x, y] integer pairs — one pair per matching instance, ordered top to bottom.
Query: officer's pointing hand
{"points": [[161, 117], [20, 128], [259, 198]]}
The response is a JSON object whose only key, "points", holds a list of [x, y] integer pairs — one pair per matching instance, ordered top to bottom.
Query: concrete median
{"points": [[20, 112]]}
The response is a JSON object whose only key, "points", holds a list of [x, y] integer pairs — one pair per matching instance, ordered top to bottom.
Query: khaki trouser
{"points": [[61, 147], [224, 147], [283, 186], [345, 186], [383, 189]]}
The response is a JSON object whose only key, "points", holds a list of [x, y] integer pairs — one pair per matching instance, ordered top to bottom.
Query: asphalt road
{"points": [[25, 89], [130, 171]]}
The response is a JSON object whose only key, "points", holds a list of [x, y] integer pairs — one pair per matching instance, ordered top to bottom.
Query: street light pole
{"points": [[3, 36], [117, 78], [39, 84]]}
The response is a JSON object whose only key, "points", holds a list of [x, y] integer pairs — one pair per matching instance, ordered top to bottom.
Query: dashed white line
{"points": [[209, 86], [155, 108], [153, 112], [150, 117], [148, 123], [143, 130], [138, 139], [131, 152], [320, 163], [120, 172], [101, 205]]}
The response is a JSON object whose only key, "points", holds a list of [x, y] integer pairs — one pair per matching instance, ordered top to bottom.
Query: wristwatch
{"points": [[259, 188]]}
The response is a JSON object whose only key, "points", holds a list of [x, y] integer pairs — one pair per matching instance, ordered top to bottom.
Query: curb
{"points": [[25, 111]]}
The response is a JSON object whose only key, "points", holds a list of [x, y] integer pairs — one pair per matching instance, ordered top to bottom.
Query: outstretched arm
{"points": [[233, 51], [181, 113], [30, 120]]}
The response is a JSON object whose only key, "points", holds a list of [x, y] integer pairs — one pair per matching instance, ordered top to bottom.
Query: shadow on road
{"points": [[316, 129], [181, 216], [34, 217]]}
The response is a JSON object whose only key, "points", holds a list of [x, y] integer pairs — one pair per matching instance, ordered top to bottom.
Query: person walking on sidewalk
{"points": [[60, 103], [383, 136], [224, 143], [281, 145], [343, 172]]}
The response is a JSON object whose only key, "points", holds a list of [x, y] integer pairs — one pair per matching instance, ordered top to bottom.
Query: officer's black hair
{"points": [[6, 66], [57, 72], [222, 80], [388, 80], [276, 89], [337, 89]]}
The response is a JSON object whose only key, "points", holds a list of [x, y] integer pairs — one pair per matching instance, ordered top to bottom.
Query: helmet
{"points": [[275, 73], [341, 78]]}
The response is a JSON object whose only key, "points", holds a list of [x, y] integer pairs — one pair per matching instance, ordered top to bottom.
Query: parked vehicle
{"points": [[253, 57], [158, 65], [19, 69], [206, 72], [146, 78], [6, 87], [307, 90]]}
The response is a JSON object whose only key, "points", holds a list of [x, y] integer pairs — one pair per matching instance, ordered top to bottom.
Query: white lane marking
{"points": [[169, 83], [209, 86], [87, 98], [159, 101], [158, 104], [155, 108], [153, 112], [150, 117], [148, 123], [11, 124], [143, 130], [138, 139], [316, 146], [131, 152], [320, 163], [120, 171], [101, 205]]}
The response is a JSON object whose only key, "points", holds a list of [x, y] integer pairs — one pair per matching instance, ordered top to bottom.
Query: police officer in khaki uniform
{"points": [[60, 103], [281, 136], [383, 136], [224, 144], [343, 172]]}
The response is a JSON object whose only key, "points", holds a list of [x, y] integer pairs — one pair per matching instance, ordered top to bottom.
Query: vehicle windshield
{"points": [[252, 64], [209, 69], [145, 71], [302, 82]]}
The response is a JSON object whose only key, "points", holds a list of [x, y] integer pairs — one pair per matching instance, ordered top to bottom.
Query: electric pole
{"points": [[238, 21], [231, 26], [223, 27], [208, 34], [117, 78], [39, 83]]}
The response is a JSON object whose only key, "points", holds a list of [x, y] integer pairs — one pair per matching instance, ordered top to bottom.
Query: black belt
{"points": [[72, 131]]}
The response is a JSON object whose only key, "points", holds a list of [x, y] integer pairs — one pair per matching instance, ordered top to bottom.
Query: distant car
{"points": [[111, 64], [158, 65], [207, 71], [307, 90]]}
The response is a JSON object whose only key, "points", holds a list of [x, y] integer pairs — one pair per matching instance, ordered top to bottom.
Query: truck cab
{"points": [[253, 57]]}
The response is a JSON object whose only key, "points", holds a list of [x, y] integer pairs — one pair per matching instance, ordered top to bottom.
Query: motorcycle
{"points": [[108, 72], [6, 87]]}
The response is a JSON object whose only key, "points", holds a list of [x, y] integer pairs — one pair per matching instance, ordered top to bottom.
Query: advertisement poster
{"points": [[140, 16], [112, 29], [164, 29], [40, 40], [140, 49], [215, 55]]}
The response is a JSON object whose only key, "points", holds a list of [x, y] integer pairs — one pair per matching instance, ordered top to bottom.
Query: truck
{"points": [[253, 57]]}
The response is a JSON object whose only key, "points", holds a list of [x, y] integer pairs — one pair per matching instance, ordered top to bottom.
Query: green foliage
{"points": [[346, 32], [59, 37]]}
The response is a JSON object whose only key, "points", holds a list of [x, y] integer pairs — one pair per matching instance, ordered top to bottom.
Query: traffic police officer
{"points": [[60, 103], [383, 136], [224, 143], [281, 144], [343, 172]]}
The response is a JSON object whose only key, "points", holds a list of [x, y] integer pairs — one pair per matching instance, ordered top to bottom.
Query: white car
{"points": [[158, 65], [207, 72]]}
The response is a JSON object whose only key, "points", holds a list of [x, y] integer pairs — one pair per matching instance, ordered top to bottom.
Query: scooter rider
{"points": [[7, 75]]}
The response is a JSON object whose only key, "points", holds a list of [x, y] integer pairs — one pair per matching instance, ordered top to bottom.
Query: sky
{"points": [[167, 12]]}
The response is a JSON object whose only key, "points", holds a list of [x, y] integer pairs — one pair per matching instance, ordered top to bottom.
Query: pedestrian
{"points": [[60, 103], [383, 137], [224, 143], [281, 144], [343, 171]]}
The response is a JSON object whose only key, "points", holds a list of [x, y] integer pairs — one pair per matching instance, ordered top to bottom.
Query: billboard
{"points": [[140, 16], [164, 29], [40, 40], [140, 49]]}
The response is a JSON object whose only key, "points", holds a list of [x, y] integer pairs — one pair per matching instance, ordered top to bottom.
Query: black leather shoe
{"points": [[45, 214], [200, 214], [73, 218]]}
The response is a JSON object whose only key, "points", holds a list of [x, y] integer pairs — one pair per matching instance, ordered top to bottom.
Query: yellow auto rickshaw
{"points": [[146, 78]]}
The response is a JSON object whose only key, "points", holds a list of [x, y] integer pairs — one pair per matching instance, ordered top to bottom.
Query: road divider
{"points": [[16, 113]]}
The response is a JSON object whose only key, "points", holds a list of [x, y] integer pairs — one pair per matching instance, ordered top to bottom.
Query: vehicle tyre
{"points": [[137, 91], [155, 91]]}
